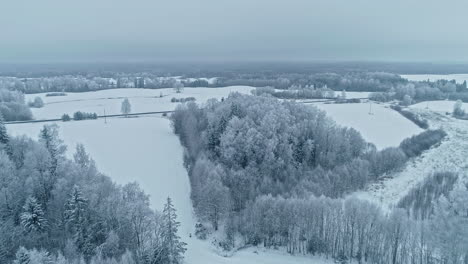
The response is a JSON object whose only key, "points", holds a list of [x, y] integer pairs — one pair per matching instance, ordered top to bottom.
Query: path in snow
{"points": [[451, 154]]}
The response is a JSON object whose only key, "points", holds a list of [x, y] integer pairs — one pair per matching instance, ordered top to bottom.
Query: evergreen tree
{"points": [[49, 137], [4, 138], [75, 209], [32, 217], [77, 222], [173, 248], [22, 256]]}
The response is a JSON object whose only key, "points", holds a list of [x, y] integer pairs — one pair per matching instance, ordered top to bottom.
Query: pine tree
{"points": [[49, 137], [4, 138], [75, 208], [32, 217], [77, 221], [173, 247]]}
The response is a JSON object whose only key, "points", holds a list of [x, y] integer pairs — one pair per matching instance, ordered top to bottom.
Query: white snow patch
{"points": [[377, 123]]}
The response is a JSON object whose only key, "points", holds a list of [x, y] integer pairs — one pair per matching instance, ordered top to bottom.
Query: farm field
{"points": [[141, 100], [383, 126]]}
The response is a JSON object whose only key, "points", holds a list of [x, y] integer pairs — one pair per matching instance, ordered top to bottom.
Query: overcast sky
{"points": [[152, 30]]}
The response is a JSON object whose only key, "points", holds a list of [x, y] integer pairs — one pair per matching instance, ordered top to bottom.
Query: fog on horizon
{"points": [[214, 30]]}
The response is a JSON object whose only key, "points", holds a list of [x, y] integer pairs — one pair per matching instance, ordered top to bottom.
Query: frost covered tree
{"points": [[178, 87], [407, 100], [37, 103], [126, 108], [458, 109], [4, 138], [84, 161], [213, 202], [75, 209], [32, 217], [173, 248], [22, 256]]}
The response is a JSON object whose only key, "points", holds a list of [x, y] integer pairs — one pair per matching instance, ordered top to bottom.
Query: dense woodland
{"points": [[257, 166], [59, 211]]}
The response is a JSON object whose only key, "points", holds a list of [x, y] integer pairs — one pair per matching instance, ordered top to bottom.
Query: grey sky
{"points": [[151, 30]]}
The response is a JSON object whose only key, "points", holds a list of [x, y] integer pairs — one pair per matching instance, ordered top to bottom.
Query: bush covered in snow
{"points": [[13, 107], [416, 144]]}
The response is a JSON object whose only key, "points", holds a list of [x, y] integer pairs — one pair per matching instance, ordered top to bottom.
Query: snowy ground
{"points": [[459, 78], [141, 100], [439, 106], [384, 127], [451, 154], [153, 157]]}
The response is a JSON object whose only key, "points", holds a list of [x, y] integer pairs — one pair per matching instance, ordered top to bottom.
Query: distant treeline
{"points": [[298, 84], [423, 91], [13, 106]]}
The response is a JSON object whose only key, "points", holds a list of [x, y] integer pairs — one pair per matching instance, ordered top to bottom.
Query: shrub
{"points": [[263, 90], [56, 94], [182, 100], [37, 103], [458, 110], [13, 111], [83, 115], [66, 117], [415, 118], [415, 145], [386, 160], [200, 231]]}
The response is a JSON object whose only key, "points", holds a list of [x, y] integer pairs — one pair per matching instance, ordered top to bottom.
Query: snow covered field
{"points": [[459, 78], [141, 100], [439, 106], [384, 127], [151, 155]]}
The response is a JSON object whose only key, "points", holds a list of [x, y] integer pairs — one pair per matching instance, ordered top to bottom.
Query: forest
{"points": [[13, 106], [277, 174], [54, 210]]}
